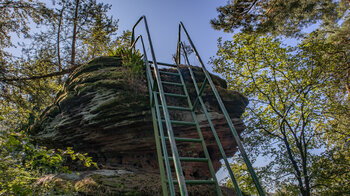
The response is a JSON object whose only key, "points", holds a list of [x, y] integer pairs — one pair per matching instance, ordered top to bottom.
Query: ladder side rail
{"points": [[133, 28], [133, 44], [148, 69], [150, 84], [201, 90], [227, 117], [161, 132], [217, 139], [204, 146], [164, 147], [175, 154], [160, 156], [177, 163]]}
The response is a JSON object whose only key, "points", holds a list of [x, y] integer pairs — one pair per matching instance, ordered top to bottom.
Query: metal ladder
{"points": [[161, 116]]}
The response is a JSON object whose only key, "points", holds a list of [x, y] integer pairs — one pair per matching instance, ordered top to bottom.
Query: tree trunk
{"points": [[74, 37], [58, 43], [347, 85], [304, 157], [294, 163], [305, 173]]}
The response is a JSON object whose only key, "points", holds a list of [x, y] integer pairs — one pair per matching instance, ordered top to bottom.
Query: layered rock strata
{"points": [[104, 110]]}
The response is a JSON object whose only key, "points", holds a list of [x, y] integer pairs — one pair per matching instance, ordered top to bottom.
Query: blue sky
{"points": [[163, 17]]}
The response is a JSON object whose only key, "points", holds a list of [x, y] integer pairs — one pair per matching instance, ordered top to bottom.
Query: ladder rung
{"points": [[166, 64], [169, 73], [172, 83], [173, 95], [177, 108], [180, 122], [182, 139], [190, 159], [196, 181]]}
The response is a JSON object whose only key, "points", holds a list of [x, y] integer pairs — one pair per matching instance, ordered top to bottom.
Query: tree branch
{"points": [[59, 73]]}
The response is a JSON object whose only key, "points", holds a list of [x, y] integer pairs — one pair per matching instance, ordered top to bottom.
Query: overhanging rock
{"points": [[104, 110]]}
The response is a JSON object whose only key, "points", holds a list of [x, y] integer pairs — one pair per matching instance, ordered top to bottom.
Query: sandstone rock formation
{"points": [[104, 110]]}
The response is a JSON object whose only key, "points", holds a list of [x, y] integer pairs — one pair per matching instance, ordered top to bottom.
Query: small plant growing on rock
{"points": [[131, 59]]}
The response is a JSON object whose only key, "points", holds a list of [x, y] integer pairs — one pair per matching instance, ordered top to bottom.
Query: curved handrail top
{"points": [[182, 26], [133, 28], [134, 42]]}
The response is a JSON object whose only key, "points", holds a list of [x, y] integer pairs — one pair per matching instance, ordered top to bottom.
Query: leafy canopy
{"points": [[279, 17], [299, 109], [285, 118]]}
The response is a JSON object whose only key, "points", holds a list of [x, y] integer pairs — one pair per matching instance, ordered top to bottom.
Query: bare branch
{"points": [[59, 73]]}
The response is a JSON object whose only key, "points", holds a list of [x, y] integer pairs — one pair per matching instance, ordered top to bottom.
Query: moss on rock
{"points": [[104, 110]]}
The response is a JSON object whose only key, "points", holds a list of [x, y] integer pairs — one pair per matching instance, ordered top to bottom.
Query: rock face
{"points": [[104, 110]]}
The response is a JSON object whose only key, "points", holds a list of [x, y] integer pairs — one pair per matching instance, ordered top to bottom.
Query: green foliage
{"points": [[16, 16], [278, 16], [100, 29], [77, 32], [124, 40], [130, 59], [27, 88], [287, 88], [23, 100], [299, 111], [22, 163], [332, 171], [245, 182]]}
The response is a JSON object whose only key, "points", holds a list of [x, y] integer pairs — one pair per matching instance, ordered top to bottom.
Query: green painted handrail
{"points": [[223, 109], [155, 112], [158, 122], [217, 139], [204, 146], [175, 154]]}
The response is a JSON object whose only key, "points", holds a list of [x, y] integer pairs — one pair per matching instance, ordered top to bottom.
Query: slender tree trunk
{"points": [[74, 37], [58, 43], [347, 85], [303, 152], [294, 163], [306, 180]]}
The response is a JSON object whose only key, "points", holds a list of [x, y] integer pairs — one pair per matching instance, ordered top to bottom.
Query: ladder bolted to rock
{"points": [[163, 125]]}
